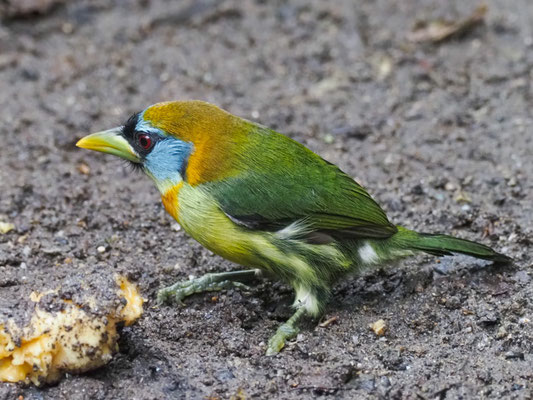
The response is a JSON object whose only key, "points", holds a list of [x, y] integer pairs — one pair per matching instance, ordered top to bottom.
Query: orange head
{"points": [[177, 141]]}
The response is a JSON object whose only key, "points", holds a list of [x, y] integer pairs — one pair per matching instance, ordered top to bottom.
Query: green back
{"points": [[281, 182]]}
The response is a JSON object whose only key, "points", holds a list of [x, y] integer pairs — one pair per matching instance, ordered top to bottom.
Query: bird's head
{"points": [[171, 142]]}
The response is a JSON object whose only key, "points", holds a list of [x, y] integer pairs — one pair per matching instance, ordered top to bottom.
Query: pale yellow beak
{"points": [[111, 142]]}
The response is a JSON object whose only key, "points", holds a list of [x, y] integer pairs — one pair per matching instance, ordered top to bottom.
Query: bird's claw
{"points": [[207, 283], [175, 293], [170, 295], [285, 332]]}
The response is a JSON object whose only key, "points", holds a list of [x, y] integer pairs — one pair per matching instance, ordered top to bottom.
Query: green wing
{"points": [[281, 182]]}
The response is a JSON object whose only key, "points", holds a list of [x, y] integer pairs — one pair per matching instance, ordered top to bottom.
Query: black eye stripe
{"points": [[128, 130]]}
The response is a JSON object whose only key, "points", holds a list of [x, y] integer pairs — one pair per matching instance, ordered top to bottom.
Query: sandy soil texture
{"points": [[441, 134]]}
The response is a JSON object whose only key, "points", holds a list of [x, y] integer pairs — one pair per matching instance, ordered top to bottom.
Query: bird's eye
{"points": [[144, 141]]}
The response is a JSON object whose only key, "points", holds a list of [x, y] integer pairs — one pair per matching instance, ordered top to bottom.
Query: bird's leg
{"points": [[209, 282], [285, 332]]}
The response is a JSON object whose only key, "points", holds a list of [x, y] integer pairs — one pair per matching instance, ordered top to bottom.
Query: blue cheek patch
{"points": [[168, 159]]}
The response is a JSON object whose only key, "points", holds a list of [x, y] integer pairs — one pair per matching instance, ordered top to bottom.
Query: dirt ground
{"points": [[441, 134]]}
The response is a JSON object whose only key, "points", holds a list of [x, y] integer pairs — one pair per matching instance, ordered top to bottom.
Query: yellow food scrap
{"points": [[6, 227], [134, 302], [379, 327], [70, 339]]}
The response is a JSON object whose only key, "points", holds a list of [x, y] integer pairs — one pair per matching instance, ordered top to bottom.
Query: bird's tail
{"points": [[443, 245]]}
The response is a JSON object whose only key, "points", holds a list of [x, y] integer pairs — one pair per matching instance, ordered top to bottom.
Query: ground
{"points": [[439, 133]]}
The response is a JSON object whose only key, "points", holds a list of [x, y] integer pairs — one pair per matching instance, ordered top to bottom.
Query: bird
{"points": [[264, 201]]}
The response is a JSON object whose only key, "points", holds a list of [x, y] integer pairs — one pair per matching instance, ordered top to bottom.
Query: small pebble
{"points": [[67, 28], [328, 138], [84, 169], [450, 187], [462, 197], [101, 249]]}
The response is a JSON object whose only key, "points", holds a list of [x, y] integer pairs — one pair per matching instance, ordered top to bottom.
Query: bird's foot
{"points": [[207, 283], [285, 332]]}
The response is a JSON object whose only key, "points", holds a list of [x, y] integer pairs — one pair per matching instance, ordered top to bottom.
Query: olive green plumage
{"points": [[282, 181], [260, 199]]}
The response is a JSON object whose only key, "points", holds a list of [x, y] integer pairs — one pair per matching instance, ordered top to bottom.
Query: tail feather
{"points": [[443, 245]]}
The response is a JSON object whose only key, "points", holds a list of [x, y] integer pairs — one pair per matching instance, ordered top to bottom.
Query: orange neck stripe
{"points": [[170, 200]]}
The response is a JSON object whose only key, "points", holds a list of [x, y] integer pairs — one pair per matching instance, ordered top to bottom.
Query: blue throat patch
{"points": [[168, 159]]}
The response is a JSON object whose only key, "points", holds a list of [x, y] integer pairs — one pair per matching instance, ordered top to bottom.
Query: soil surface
{"points": [[441, 134]]}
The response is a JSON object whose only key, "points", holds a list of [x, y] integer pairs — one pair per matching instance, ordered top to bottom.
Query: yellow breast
{"points": [[201, 218]]}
